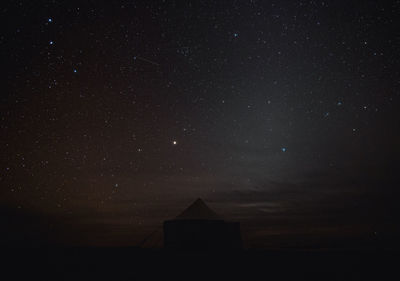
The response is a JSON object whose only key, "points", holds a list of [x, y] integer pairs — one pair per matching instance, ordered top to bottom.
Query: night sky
{"points": [[283, 115]]}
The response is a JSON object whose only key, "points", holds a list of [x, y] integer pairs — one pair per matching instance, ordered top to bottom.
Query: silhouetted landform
{"points": [[200, 228], [26, 257], [133, 263]]}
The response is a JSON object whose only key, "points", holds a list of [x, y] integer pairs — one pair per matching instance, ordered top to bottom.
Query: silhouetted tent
{"points": [[200, 228]]}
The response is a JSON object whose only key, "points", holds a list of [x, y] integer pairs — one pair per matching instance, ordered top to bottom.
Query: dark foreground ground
{"points": [[141, 264]]}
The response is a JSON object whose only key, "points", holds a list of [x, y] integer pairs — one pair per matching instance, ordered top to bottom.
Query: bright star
{"points": [[50, 20], [51, 42], [75, 70], [174, 142], [283, 149]]}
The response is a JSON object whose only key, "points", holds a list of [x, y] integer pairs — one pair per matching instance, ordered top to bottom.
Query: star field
{"points": [[115, 116]]}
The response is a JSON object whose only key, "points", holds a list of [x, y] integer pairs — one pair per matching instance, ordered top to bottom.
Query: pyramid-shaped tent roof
{"points": [[198, 211]]}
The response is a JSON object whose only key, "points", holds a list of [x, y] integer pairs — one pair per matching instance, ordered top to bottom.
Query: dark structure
{"points": [[200, 228]]}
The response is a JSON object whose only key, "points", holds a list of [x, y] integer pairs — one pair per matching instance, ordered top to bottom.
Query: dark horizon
{"points": [[282, 116], [27, 231]]}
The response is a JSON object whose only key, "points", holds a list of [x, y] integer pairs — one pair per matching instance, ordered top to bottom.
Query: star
{"points": [[50, 20], [51, 42], [75, 71], [174, 142], [283, 149]]}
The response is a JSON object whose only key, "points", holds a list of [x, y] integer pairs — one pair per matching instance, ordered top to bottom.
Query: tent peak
{"points": [[198, 210]]}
